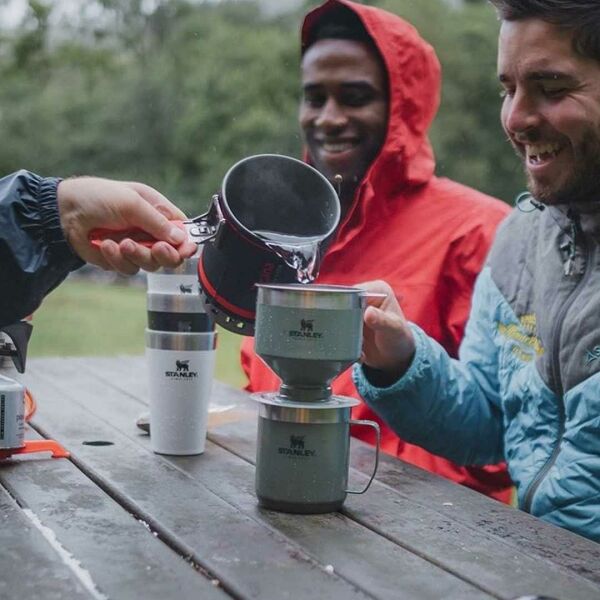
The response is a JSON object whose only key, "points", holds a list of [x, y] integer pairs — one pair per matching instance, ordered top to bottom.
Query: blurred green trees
{"points": [[174, 94]]}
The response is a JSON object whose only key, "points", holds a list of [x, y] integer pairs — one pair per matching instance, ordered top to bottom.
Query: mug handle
{"points": [[375, 426]]}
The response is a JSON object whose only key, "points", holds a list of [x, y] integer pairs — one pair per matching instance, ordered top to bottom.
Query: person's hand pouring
{"points": [[88, 203]]}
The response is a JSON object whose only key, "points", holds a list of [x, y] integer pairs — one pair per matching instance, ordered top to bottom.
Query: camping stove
{"points": [[13, 344]]}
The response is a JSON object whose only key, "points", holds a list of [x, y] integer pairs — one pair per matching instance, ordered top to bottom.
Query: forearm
{"points": [[34, 255], [440, 404]]}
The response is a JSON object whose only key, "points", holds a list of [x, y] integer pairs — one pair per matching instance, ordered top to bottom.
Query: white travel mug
{"points": [[180, 280], [180, 370]]}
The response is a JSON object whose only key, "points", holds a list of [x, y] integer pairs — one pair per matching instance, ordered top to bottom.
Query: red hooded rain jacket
{"points": [[426, 236]]}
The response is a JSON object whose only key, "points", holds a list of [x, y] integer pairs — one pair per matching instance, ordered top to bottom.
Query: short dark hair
{"points": [[582, 17], [339, 23]]}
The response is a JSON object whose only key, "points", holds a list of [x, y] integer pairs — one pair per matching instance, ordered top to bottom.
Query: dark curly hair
{"points": [[582, 17]]}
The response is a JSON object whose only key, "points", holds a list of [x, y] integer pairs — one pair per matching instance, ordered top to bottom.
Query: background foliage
{"points": [[175, 94]]}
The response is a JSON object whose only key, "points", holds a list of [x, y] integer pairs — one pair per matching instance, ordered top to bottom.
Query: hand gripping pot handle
{"points": [[206, 227], [200, 229], [375, 426]]}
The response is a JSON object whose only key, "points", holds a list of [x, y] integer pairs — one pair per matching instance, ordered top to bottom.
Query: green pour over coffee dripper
{"points": [[307, 334]]}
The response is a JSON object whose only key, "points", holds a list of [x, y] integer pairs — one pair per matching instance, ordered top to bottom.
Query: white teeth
{"points": [[337, 147], [535, 152]]}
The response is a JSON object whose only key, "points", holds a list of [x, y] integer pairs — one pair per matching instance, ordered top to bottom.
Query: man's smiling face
{"points": [[344, 108], [551, 110]]}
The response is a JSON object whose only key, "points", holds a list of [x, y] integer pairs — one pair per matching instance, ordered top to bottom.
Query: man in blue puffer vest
{"points": [[526, 388]]}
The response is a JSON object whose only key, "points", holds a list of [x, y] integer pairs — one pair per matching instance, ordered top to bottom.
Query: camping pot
{"points": [[269, 224], [303, 453]]}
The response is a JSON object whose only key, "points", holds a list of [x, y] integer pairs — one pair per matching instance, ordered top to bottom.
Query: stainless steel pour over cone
{"points": [[308, 334]]}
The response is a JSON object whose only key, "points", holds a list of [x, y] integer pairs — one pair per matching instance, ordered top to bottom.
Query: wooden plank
{"points": [[512, 527], [431, 529], [117, 550], [356, 553], [249, 559], [28, 563]]}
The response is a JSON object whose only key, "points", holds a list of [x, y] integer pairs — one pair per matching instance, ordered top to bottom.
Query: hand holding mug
{"points": [[388, 343]]}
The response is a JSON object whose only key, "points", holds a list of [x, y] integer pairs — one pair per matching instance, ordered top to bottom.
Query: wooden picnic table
{"points": [[118, 521]]}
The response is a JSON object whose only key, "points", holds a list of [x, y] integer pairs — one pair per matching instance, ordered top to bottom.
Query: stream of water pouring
{"points": [[300, 253]]}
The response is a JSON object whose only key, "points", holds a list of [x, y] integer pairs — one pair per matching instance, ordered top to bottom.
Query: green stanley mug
{"points": [[303, 453]]}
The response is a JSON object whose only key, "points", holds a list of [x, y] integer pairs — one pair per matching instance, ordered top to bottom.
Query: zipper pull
{"points": [[571, 246], [569, 267]]}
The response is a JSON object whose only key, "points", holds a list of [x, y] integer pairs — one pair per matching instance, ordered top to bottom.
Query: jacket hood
{"points": [[414, 75]]}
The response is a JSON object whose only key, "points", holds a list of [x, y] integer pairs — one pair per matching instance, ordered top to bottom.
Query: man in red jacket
{"points": [[371, 88]]}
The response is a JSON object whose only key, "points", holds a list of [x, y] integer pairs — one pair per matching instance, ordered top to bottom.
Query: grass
{"points": [[85, 318]]}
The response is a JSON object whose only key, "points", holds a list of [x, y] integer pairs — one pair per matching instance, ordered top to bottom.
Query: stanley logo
{"points": [[306, 331], [182, 371], [296, 448]]}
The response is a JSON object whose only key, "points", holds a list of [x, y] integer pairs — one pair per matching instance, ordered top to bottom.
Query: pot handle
{"points": [[206, 227], [199, 229], [375, 426]]}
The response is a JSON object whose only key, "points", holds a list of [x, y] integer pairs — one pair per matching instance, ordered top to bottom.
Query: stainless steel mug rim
{"points": [[311, 296], [174, 303], [176, 340], [335, 410], [304, 415]]}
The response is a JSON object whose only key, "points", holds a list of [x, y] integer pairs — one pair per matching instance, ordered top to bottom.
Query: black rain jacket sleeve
{"points": [[34, 254]]}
